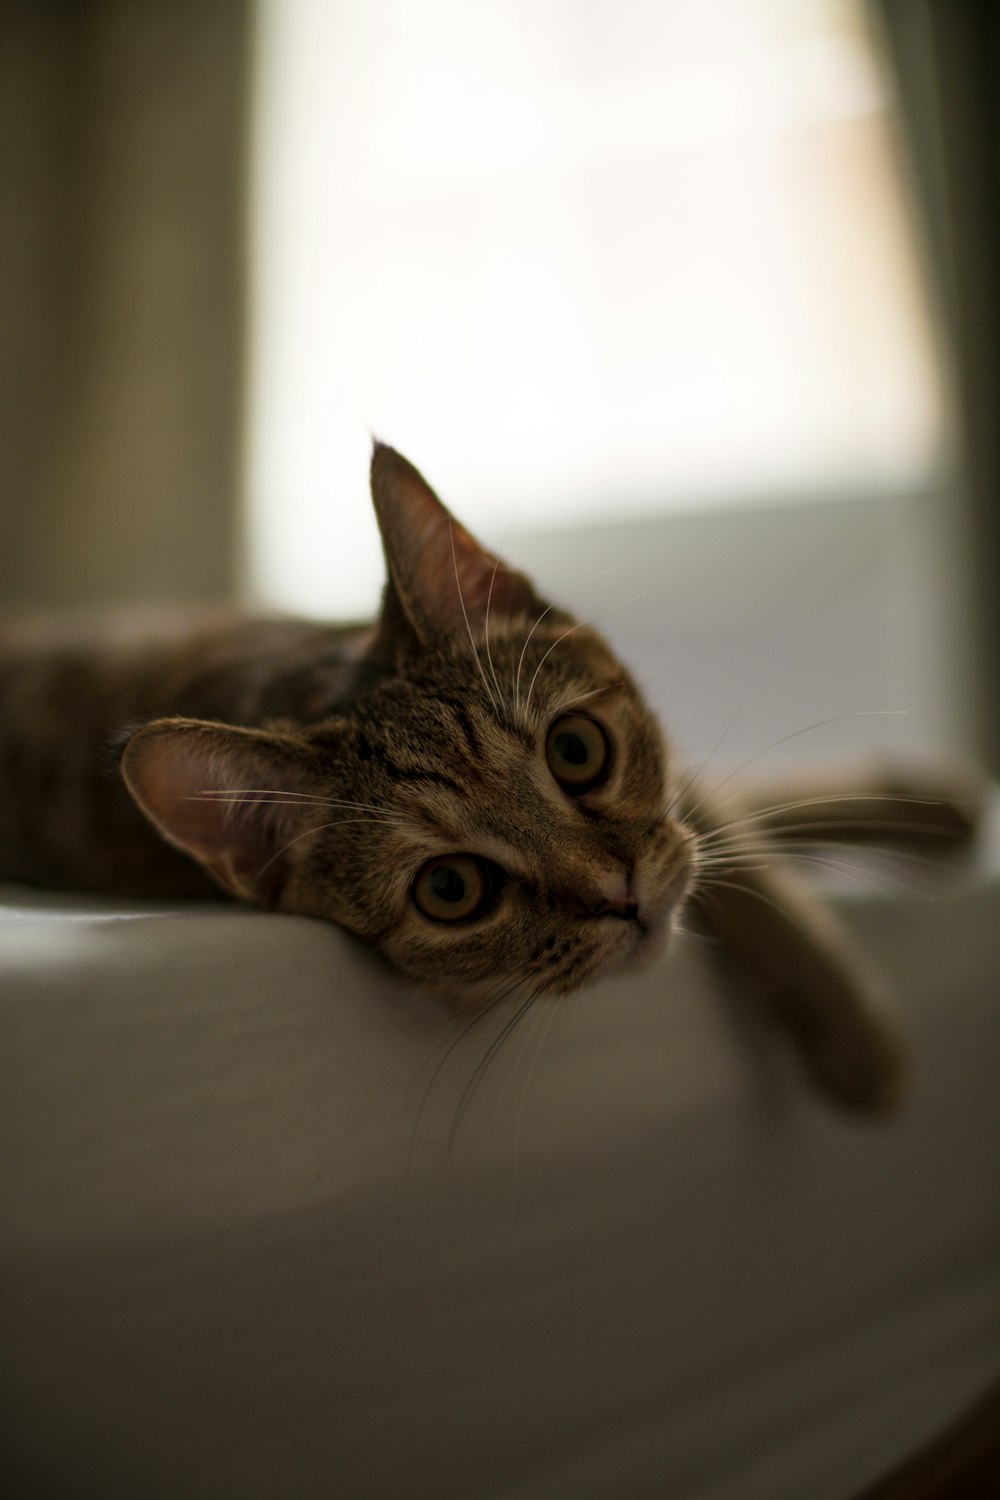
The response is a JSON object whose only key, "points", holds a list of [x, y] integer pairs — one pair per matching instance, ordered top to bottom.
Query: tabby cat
{"points": [[473, 784]]}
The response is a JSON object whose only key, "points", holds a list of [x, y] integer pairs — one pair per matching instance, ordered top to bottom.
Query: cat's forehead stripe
{"points": [[463, 722], [467, 739], [412, 769]]}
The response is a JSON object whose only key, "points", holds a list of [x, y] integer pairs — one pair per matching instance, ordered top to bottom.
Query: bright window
{"points": [[574, 259]]}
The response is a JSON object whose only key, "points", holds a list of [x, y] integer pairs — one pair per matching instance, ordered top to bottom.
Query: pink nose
{"points": [[617, 899], [627, 910]]}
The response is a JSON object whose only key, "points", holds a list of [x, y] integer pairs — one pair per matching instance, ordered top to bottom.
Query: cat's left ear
{"points": [[439, 575], [235, 799]]}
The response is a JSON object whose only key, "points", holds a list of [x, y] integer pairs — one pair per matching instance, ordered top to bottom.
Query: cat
{"points": [[473, 784]]}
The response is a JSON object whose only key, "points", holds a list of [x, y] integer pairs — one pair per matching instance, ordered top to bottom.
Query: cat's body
{"points": [[70, 685], [473, 784]]}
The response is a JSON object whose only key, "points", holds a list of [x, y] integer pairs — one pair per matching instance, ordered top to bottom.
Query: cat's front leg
{"points": [[872, 799], [820, 990]]}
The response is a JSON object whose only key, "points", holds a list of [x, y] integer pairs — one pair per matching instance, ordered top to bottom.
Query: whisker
{"points": [[489, 599], [465, 615], [580, 625], [520, 660], [581, 697], [796, 734], [689, 780], [238, 794], [761, 814], [375, 816], [320, 828], [762, 840], [805, 851], [735, 861], [876, 881], [748, 890], [700, 940], [451, 1020], [452, 1043], [515, 1062], [483, 1065], [524, 1094]]}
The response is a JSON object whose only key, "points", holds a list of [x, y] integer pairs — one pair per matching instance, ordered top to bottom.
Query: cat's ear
{"points": [[440, 578], [232, 798]]}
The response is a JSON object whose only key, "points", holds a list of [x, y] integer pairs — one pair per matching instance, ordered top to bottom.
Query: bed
{"points": [[269, 1229]]}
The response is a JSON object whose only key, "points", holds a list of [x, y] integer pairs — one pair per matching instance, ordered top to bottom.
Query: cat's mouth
{"points": [[644, 938], [647, 941], [629, 946]]}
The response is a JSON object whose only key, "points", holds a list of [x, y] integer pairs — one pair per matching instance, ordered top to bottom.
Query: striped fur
{"points": [[317, 770]]}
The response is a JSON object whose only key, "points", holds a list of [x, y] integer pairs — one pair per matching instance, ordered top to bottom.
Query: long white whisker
{"points": [[489, 599], [465, 615], [571, 631], [520, 660], [580, 698], [795, 734], [688, 781], [266, 791], [279, 799], [762, 814], [339, 823], [764, 843], [730, 856], [734, 866], [875, 880], [747, 890], [502, 991], [463, 1027], [515, 1061], [482, 1067], [524, 1094]]}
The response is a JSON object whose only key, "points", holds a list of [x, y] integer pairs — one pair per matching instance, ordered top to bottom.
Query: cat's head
{"points": [[491, 806]]}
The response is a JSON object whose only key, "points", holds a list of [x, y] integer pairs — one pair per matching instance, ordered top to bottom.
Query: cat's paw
{"points": [[854, 1057], [862, 1071]]}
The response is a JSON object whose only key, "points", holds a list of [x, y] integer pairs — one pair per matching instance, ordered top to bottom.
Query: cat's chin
{"points": [[655, 942], [649, 945], [641, 947]]}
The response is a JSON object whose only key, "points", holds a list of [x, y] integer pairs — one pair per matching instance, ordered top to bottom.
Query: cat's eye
{"points": [[578, 753], [454, 887]]}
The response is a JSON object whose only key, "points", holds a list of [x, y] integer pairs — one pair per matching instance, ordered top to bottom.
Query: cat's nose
{"points": [[617, 898], [627, 910]]}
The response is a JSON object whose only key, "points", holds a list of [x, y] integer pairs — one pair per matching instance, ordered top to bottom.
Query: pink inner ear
{"points": [[439, 567], [454, 570], [474, 573], [178, 778], [216, 793]]}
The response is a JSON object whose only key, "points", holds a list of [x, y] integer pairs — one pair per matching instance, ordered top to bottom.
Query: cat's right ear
{"points": [[440, 579], [235, 799]]}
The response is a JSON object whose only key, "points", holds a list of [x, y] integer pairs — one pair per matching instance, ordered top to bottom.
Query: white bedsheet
{"points": [[648, 1264]]}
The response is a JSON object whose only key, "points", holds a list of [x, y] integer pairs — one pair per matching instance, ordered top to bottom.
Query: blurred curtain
{"points": [[946, 59], [123, 129]]}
